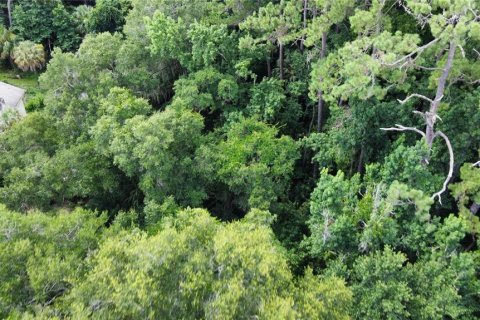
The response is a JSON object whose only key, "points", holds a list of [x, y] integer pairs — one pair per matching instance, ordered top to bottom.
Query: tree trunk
{"points": [[9, 8], [305, 11], [280, 62], [269, 67], [320, 92], [320, 110], [431, 116], [360, 160], [474, 208]]}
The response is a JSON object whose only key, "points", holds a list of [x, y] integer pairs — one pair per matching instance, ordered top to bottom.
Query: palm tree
{"points": [[7, 42], [28, 56]]}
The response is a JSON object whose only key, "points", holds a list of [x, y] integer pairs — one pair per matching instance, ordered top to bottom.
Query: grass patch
{"points": [[24, 80]]}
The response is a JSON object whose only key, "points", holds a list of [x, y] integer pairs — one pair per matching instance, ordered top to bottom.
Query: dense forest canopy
{"points": [[242, 159]]}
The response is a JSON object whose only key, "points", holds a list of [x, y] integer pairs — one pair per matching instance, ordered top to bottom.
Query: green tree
{"points": [[326, 14], [108, 15], [81, 16], [32, 20], [47, 22], [275, 25], [65, 28], [7, 42], [195, 46], [381, 56], [74, 84], [208, 90], [274, 104], [119, 106], [32, 134], [352, 137], [160, 150], [253, 162], [80, 174], [467, 194], [333, 217], [42, 256], [196, 267], [386, 289]]}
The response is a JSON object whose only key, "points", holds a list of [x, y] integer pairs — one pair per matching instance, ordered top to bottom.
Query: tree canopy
{"points": [[241, 159]]}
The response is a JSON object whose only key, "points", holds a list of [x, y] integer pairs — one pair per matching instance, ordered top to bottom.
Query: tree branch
{"points": [[461, 49], [418, 50], [478, 53], [426, 68], [415, 95], [403, 128], [430, 133], [476, 164], [450, 170]]}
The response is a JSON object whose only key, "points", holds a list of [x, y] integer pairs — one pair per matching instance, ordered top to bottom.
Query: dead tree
{"points": [[431, 117]]}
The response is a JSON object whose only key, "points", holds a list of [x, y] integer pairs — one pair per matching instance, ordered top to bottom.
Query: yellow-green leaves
{"points": [[329, 13], [371, 21], [275, 22], [167, 35], [28, 56], [252, 161], [467, 193], [43, 256], [197, 267]]}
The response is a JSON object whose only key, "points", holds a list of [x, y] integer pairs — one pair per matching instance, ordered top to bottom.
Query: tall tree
{"points": [[9, 8], [325, 15], [275, 24], [380, 56]]}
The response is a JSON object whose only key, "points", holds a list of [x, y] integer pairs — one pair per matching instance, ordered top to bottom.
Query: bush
{"points": [[35, 103]]}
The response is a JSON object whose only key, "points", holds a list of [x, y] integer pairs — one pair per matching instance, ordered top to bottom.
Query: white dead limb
{"points": [[461, 49], [478, 53], [411, 54], [426, 68], [417, 96], [439, 98], [399, 127], [476, 164], [450, 169]]}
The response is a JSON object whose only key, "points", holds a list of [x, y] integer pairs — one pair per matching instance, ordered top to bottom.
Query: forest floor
{"points": [[27, 81]]}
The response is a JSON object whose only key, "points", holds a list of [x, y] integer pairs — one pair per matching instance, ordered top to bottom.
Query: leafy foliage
{"points": [[108, 15], [45, 22], [28, 56], [242, 159], [252, 162], [42, 256], [187, 261]]}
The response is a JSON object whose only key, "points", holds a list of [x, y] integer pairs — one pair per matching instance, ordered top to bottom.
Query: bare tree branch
{"points": [[461, 49], [418, 50], [478, 53], [426, 68], [415, 95], [403, 128], [476, 164], [450, 170]]}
